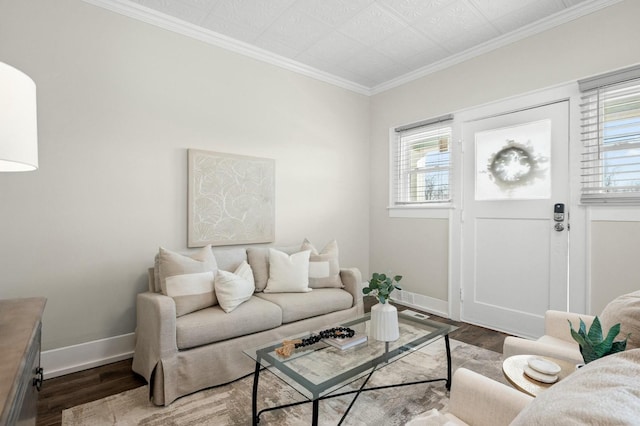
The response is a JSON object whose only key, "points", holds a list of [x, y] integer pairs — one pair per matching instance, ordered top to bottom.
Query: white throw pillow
{"points": [[288, 273], [234, 288], [191, 292]]}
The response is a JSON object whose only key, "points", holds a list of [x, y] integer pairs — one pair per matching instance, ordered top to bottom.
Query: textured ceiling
{"points": [[371, 44]]}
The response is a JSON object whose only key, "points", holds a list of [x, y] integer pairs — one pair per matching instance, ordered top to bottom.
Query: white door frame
{"points": [[578, 253]]}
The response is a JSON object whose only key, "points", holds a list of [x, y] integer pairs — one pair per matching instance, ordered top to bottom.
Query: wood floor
{"points": [[74, 389]]}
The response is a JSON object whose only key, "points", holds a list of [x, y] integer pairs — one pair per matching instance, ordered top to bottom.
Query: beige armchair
{"points": [[556, 342], [477, 400]]}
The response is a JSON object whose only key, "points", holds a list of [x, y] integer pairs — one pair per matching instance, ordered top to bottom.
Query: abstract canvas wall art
{"points": [[231, 199]]}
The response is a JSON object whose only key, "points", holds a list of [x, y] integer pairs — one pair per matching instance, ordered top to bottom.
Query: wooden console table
{"points": [[20, 373]]}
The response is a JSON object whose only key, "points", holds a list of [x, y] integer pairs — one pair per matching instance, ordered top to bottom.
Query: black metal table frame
{"points": [[255, 415]]}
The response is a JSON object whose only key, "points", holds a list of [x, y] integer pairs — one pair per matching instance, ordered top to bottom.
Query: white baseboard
{"points": [[421, 302], [71, 359]]}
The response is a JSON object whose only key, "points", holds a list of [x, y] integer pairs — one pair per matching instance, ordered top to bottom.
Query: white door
{"points": [[514, 254]]}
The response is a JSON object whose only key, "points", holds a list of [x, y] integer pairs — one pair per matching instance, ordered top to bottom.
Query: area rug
{"points": [[231, 404]]}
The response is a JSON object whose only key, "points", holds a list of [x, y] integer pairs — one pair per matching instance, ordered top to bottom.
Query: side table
{"points": [[513, 369], [20, 372]]}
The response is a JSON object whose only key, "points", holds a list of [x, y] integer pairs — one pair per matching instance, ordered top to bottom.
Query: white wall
{"points": [[593, 44], [120, 101], [119, 104]]}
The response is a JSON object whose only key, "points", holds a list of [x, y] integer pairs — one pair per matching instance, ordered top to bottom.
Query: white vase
{"points": [[384, 322]]}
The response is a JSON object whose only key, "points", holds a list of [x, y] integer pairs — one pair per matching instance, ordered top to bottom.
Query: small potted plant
{"points": [[380, 286], [384, 316], [593, 345]]}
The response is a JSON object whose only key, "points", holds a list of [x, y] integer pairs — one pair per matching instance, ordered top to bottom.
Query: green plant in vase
{"points": [[380, 286], [593, 345]]}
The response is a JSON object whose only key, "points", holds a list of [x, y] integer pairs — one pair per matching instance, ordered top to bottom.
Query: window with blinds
{"points": [[611, 137], [422, 163]]}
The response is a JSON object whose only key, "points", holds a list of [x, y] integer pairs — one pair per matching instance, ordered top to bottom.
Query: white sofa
{"points": [[179, 355]]}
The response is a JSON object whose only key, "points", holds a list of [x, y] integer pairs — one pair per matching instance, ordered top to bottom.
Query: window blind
{"points": [[610, 127], [421, 166]]}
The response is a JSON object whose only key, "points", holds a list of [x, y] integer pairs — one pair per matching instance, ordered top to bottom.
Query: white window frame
{"points": [[598, 94], [398, 179]]}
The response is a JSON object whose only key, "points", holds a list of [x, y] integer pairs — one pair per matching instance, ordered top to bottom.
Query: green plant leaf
{"points": [[397, 278], [366, 290], [382, 299], [583, 329], [595, 331], [613, 332], [577, 336], [592, 345], [619, 346], [588, 354]]}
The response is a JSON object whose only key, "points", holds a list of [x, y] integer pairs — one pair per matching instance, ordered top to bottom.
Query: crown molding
{"points": [[578, 11], [153, 17]]}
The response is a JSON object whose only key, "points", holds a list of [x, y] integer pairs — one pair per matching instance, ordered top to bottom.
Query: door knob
{"points": [[559, 227]]}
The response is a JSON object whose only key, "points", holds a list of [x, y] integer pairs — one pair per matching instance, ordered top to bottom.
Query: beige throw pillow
{"points": [[169, 264], [324, 269], [288, 273], [234, 288], [191, 292], [625, 310]]}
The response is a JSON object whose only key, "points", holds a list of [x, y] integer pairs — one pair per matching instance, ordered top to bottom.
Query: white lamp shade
{"points": [[18, 121]]}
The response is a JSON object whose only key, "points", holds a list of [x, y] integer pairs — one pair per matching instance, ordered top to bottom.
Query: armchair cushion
{"points": [[625, 310], [605, 391], [476, 400]]}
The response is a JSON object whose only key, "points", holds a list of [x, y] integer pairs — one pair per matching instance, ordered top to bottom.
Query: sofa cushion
{"points": [[258, 258], [169, 263], [324, 269], [288, 273], [234, 288], [191, 292], [298, 306], [625, 310], [212, 324], [603, 392]]}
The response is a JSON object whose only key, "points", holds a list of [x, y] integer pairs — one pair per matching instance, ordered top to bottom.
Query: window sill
{"points": [[434, 211]]}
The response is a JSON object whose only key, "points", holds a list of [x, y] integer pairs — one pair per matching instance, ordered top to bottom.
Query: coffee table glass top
{"points": [[319, 369]]}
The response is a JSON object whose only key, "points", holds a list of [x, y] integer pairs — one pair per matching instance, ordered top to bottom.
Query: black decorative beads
{"points": [[337, 332]]}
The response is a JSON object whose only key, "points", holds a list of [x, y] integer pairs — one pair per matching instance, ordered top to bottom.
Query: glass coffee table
{"points": [[319, 370]]}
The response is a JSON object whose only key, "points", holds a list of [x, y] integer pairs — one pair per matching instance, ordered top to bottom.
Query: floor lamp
{"points": [[18, 121]]}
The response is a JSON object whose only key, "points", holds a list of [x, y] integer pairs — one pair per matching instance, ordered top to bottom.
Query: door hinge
{"points": [[461, 296]]}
